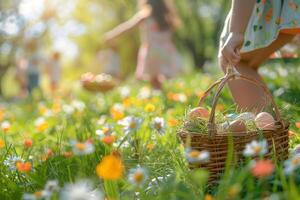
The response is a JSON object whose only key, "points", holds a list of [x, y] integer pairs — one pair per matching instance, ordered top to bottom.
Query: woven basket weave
{"points": [[217, 144]]}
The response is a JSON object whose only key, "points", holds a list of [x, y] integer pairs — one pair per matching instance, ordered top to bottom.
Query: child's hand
{"points": [[230, 51]]}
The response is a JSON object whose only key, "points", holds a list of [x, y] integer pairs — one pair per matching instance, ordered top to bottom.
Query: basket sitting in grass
{"points": [[99, 83], [206, 135]]}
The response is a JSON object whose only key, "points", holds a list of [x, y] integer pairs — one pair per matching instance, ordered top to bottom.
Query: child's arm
{"points": [[241, 11], [240, 15], [128, 25]]}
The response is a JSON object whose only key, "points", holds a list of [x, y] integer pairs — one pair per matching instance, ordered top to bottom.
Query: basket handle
{"points": [[231, 74]]}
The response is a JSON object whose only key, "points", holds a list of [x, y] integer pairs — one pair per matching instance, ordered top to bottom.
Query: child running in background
{"points": [[254, 29], [158, 57]]}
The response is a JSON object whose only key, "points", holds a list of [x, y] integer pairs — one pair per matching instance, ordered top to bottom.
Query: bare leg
{"points": [[250, 97]]}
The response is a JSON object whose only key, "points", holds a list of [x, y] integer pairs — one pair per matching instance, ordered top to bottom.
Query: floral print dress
{"points": [[269, 18]]}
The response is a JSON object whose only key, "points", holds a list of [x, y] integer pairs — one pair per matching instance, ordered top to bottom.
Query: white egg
{"points": [[246, 116], [265, 121]]}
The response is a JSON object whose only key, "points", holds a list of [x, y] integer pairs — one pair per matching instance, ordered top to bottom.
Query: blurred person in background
{"points": [[158, 56], [28, 69], [54, 71]]}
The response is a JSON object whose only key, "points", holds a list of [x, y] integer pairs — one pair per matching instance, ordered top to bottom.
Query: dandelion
{"points": [[149, 107], [2, 113], [41, 124], [130, 124], [159, 125], [5, 126], [27, 143], [2, 144], [82, 148], [256, 148], [195, 156], [11, 162], [292, 164], [23, 166], [111, 167], [262, 168], [138, 176], [81, 190]]}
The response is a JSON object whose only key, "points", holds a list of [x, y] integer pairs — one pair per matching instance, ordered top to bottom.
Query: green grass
{"points": [[165, 160]]}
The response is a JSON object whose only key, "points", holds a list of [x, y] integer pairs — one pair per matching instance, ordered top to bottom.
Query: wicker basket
{"points": [[88, 82], [217, 144]]}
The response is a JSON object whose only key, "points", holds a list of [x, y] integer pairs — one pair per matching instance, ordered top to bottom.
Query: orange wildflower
{"points": [[173, 122], [297, 124], [291, 134], [109, 139], [28, 143], [2, 144], [150, 146], [23, 166], [111, 167], [262, 168]]}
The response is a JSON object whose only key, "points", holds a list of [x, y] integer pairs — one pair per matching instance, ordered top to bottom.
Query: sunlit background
{"points": [[75, 29]]}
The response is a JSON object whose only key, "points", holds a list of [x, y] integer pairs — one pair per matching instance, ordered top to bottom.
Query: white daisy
{"points": [[69, 110], [158, 123], [130, 124], [5, 125], [82, 148], [256, 148], [195, 156], [11, 162], [292, 164], [138, 176], [82, 190]]}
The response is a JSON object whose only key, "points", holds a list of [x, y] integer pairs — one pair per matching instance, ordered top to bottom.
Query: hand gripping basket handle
{"points": [[230, 75]]}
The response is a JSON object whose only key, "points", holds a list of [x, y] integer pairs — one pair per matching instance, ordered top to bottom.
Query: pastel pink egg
{"points": [[199, 112], [265, 121], [237, 126]]}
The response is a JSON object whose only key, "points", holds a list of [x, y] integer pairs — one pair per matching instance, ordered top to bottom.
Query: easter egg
{"points": [[198, 112], [231, 116], [246, 116], [265, 121], [237, 126], [221, 128]]}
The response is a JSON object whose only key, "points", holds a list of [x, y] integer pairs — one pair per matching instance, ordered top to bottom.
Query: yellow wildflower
{"points": [[149, 108]]}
